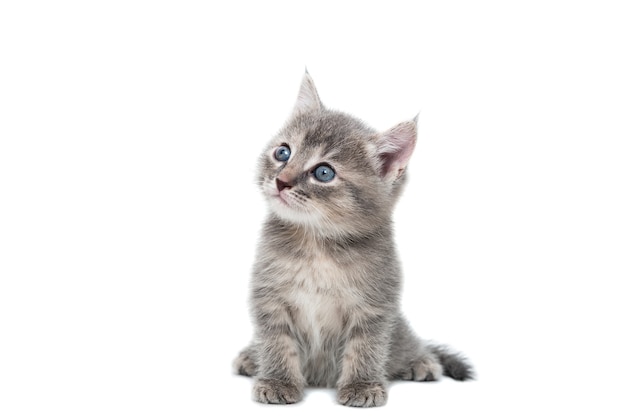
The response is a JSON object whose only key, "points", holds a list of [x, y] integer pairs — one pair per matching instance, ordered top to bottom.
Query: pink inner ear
{"points": [[395, 148], [388, 160]]}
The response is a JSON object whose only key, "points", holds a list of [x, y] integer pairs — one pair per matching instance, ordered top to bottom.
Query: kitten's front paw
{"points": [[274, 391], [363, 394]]}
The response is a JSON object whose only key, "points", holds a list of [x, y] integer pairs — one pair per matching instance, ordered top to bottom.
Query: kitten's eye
{"points": [[282, 153], [324, 173]]}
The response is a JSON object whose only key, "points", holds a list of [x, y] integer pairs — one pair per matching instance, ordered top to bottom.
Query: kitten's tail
{"points": [[454, 364]]}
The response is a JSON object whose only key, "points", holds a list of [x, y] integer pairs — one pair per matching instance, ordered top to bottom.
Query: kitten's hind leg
{"points": [[410, 359], [413, 360], [247, 362], [431, 362], [454, 365], [424, 368]]}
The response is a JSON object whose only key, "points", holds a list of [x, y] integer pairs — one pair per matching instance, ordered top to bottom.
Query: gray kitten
{"points": [[326, 282]]}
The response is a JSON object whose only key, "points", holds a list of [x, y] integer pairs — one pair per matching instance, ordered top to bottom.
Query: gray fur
{"points": [[326, 282]]}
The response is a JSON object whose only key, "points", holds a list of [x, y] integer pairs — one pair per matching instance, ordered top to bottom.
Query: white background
{"points": [[129, 133]]}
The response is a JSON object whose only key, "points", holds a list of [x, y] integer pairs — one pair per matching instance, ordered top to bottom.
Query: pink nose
{"points": [[281, 185]]}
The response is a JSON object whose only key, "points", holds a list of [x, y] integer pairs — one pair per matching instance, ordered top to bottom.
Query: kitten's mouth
{"points": [[278, 196], [282, 200], [284, 203]]}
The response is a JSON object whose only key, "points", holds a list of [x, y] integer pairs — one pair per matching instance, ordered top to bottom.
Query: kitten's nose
{"points": [[281, 185]]}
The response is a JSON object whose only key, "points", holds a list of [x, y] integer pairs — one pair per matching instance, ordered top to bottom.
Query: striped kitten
{"points": [[326, 282]]}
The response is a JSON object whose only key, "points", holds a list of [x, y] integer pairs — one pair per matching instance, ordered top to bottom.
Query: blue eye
{"points": [[282, 153], [324, 173]]}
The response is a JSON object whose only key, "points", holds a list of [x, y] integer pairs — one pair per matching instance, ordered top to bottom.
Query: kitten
{"points": [[326, 282]]}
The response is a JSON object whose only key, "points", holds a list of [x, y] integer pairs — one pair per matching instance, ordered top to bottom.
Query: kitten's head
{"points": [[329, 172]]}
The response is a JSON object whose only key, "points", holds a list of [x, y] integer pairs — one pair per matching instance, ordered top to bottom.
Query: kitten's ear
{"points": [[308, 100], [395, 147]]}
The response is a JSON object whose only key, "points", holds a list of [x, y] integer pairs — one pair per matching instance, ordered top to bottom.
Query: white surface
{"points": [[129, 133]]}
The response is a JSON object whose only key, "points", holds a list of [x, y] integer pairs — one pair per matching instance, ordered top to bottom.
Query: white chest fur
{"points": [[321, 297]]}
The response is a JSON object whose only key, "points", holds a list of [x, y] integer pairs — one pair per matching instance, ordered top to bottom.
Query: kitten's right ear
{"points": [[308, 99]]}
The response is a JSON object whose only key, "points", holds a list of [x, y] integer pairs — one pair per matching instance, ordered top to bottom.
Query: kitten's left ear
{"points": [[308, 99], [395, 147]]}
